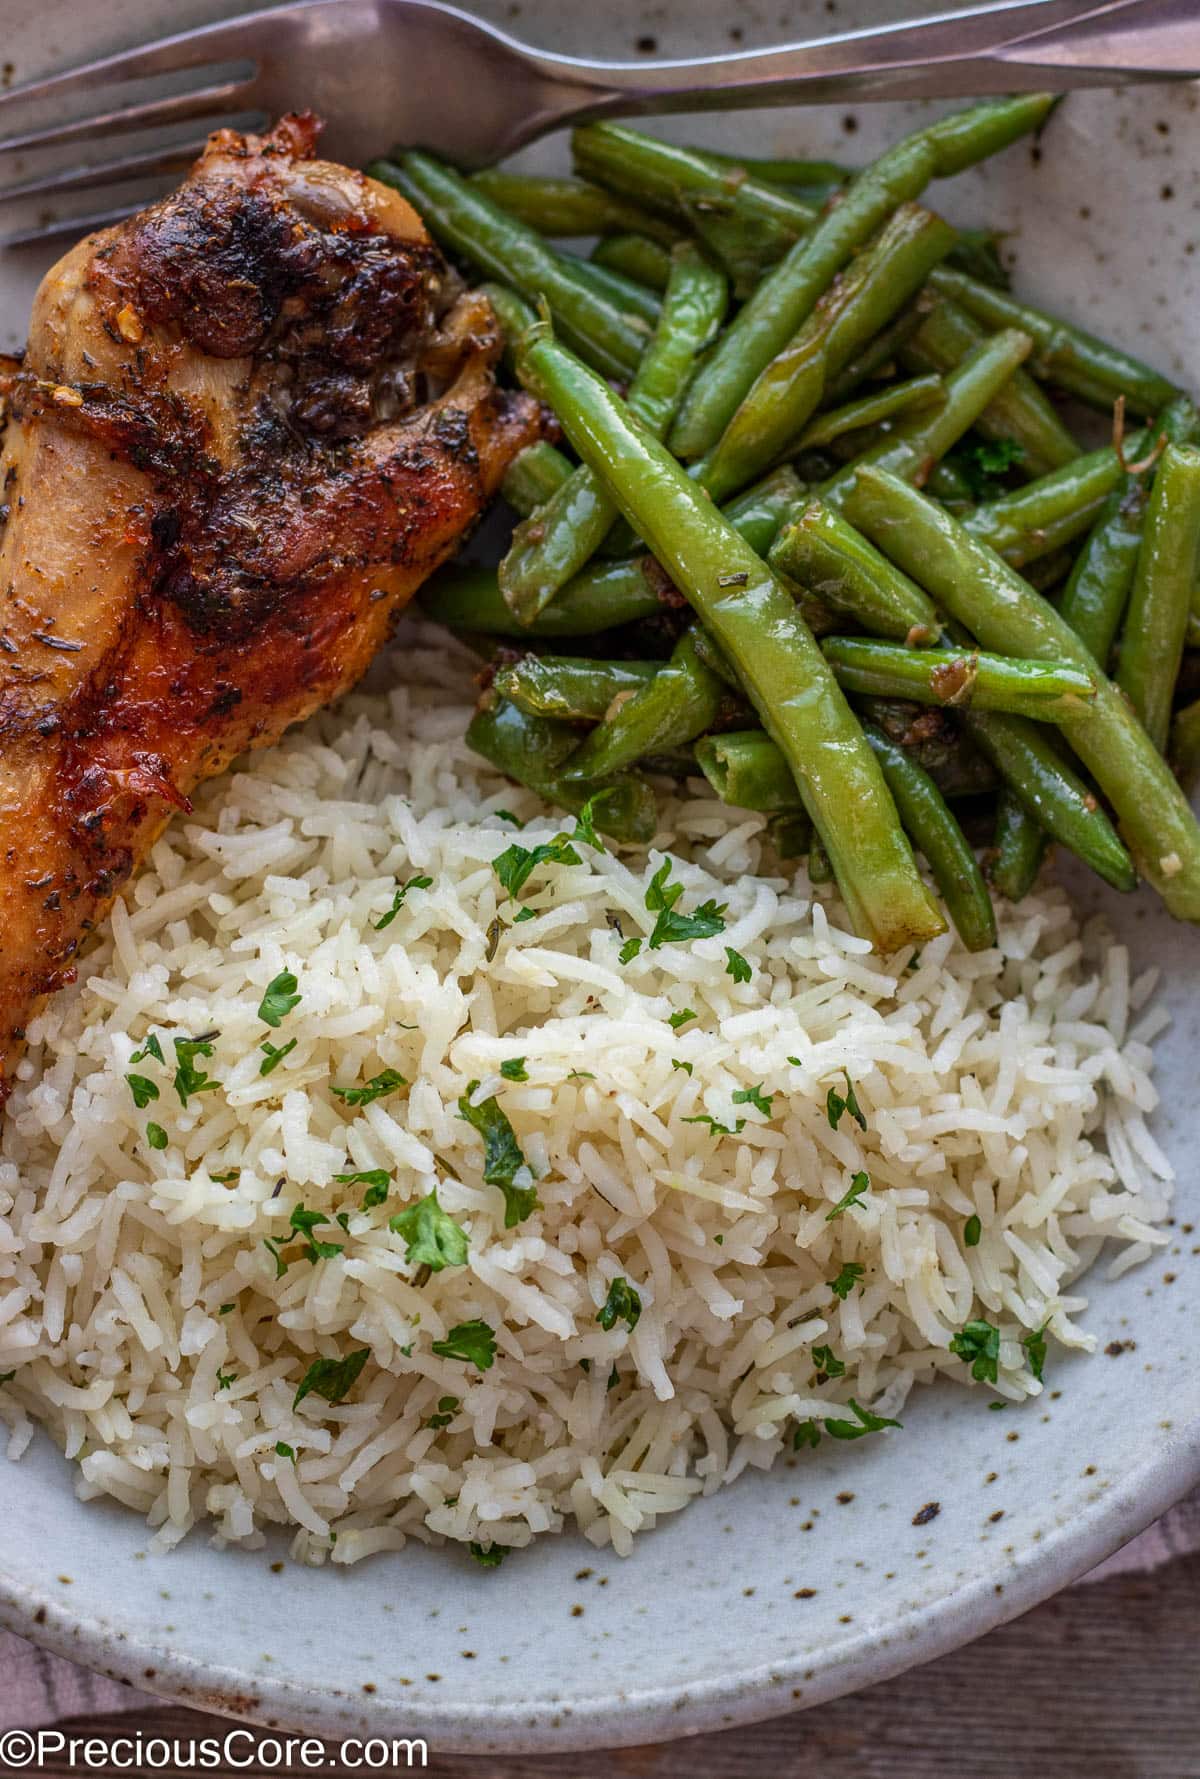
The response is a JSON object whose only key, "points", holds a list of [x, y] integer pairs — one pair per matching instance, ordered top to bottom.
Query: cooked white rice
{"points": [[1011, 1087]]}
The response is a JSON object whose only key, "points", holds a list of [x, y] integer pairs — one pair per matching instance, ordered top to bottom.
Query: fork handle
{"points": [[1016, 46]]}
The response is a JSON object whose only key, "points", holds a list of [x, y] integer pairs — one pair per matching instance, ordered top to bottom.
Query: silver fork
{"points": [[419, 72]]}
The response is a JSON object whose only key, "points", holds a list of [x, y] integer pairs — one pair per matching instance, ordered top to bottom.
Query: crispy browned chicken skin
{"points": [[249, 422]]}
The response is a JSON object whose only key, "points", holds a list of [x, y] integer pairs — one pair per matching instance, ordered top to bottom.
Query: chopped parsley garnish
{"points": [[983, 465], [506, 815], [585, 823], [516, 864], [398, 900], [524, 914], [671, 928], [495, 933], [629, 950], [736, 965], [279, 1000], [678, 1019], [273, 1054], [678, 1063], [513, 1069], [581, 1075], [190, 1080], [141, 1087], [375, 1089], [753, 1096], [836, 1103], [716, 1127], [156, 1136], [502, 1157], [223, 1179], [375, 1179], [860, 1184], [304, 1222], [972, 1231], [434, 1239], [275, 1250], [846, 1280], [622, 1304], [226, 1308], [472, 1341], [980, 1343], [1035, 1351], [827, 1362], [331, 1378], [614, 1378], [225, 1379], [447, 1408], [864, 1422], [805, 1433], [284, 1451], [488, 1556]]}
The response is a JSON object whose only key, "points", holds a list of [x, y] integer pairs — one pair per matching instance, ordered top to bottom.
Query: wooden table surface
{"points": [[1101, 1683]]}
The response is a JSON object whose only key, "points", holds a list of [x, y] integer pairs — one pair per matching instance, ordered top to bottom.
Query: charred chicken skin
{"points": [[249, 422]]}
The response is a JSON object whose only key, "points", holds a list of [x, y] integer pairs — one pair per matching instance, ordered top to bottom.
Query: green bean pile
{"points": [[840, 544]]}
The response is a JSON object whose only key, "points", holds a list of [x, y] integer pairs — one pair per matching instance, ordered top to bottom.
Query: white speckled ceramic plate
{"points": [[835, 1571]]}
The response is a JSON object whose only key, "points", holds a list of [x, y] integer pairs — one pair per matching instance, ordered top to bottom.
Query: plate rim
{"points": [[939, 1625]]}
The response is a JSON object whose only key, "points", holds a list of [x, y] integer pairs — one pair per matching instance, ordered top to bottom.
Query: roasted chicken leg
{"points": [[249, 422]]}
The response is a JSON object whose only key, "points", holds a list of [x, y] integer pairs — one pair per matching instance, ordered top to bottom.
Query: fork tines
{"points": [[144, 96]]}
